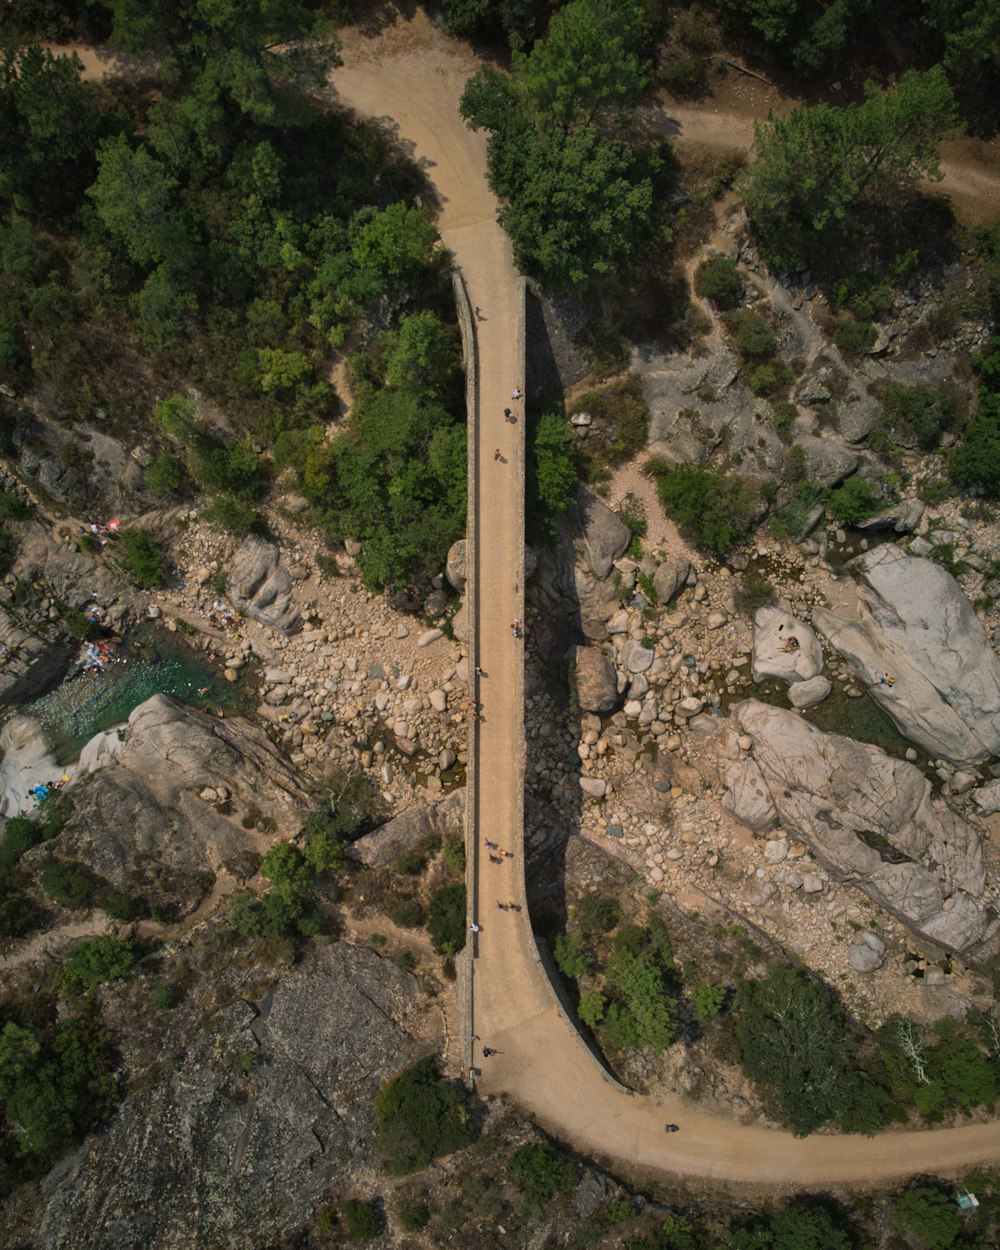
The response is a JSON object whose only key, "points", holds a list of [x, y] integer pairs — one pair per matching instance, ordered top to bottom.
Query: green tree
{"points": [[587, 64], [47, 126], [822, 176], [134, 195], [392, 250], [719, 280], [423, 356], [552, 475], [855, 501], [289, 874], [595, 914], [571, 958], [707, 1000], [591, 1008], [795, 1046], [420, 1117], [929, 1215], [360, 1219]]}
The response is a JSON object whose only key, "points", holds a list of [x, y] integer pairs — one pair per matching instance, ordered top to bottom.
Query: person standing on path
{"points": [[517, 394]]}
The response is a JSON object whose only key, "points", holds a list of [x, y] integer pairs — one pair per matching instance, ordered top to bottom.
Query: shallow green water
{"points": [[150, 662]]}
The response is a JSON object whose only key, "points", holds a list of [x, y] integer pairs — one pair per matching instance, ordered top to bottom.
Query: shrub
{"points": [[685, 77], [719, 280], [857, 338], [755, 340], [770, 379], [921, 414], [783, 420], [796, 465], [164, 474], [854, 501], [714, 509], [235, 516], [142, 557], [755, 591], [20, 835], [453, 855], [412, 862], [290, 876], [67, 883], [121, 906], [407, 913], [595, 914], [446, 918], [571, 959], [93, 963], [163, 996], [707, 1000], [420, 1117], [540, 1172], [413, 1215], [360, 1219]]}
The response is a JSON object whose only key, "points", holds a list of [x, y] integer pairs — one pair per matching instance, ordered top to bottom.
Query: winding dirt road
{"points": [[411, 77]]}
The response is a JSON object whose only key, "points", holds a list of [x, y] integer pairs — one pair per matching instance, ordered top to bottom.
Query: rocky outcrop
{"points": [[828, 461], [260, 586], [918, 629], [784, 649], [34, 660], [596, 681], [162, 812], [867, 817], [431, 822], [207, 1152]]}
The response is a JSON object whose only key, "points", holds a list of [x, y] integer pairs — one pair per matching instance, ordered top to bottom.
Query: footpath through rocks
{"points": [[412, 76]]}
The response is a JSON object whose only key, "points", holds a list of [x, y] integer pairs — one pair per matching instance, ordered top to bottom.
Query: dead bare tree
{"points": [[911, 1044]]}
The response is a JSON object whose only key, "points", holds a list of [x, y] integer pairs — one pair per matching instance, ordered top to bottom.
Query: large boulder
{"points": [[828, 461], [603, 536], [455, 566], [670, 577], [260, 586], [784, 648], [921, 651], [596, 681], [26, 760], [162, 812], [868, 818], [425, 822], [260, 1110]]}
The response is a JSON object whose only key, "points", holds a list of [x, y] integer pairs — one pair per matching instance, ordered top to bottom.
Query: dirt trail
{"points": [[413, 75]]}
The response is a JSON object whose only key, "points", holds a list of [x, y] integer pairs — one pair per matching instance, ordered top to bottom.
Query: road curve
{"points": [[411, 77]]}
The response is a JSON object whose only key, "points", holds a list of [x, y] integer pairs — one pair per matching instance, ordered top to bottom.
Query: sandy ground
{"points": [[412, 75]]}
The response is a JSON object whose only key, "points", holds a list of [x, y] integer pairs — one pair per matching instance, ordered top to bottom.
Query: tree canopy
{"points": [[824, 176]]}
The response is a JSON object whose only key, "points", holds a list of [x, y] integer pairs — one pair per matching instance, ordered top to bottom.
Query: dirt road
{"points": [[411, 76]]}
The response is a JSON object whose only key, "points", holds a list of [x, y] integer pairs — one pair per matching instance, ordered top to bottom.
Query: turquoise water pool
{"points": [[149, 662]]}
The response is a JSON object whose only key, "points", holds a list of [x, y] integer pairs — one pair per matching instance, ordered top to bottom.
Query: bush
{"points": [[686, 76], [719, 280], [857, 338], [755, 340], [770, 379], [922, 414], [783, 420], [796, 465], [164, 474], [853, 502], [714, 509], [233, 515], [142, 557], [755, 592], [20, 835], [453, 855], [412, 862], [290, 876], [68, 884], [121, 906], [407, 913], [595, 914], [446, 918], [93, 963], [707, 1000], [420, 1117], [540, 1172], [413, 1215], [360, 1219]]}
